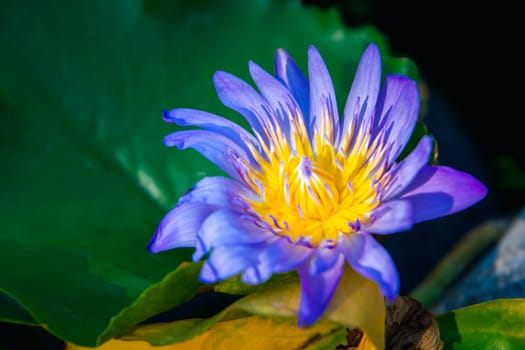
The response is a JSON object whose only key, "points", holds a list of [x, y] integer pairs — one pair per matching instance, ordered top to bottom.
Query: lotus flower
{"points": [[307, 190]]}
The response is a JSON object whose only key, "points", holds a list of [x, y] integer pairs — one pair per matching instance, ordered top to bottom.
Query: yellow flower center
{"points": [[313, 192]]}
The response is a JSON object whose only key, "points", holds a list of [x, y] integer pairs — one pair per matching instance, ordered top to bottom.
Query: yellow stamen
{"points": [[314, 192]]}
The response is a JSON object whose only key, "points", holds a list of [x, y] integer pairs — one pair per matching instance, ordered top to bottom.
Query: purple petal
{"points": [[287, 71], [272, 89], [242, 97], [362, 97], [279, 98], [397, 110], [324, 116], [211, 122], [217, 148], [408, 168], [220, 191], [438, 191], [391, 217], [180, 226], [225, 227], [278, 256], [284, 256], [323, 259], [370, 259], [227, 261], [257, 261], [256, 274], [317, 291]]}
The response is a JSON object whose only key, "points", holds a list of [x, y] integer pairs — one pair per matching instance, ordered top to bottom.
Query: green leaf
{"points": [[86, 178], [74, 229], [236, 286], [176, 288], [14, 313], [497, 324]]}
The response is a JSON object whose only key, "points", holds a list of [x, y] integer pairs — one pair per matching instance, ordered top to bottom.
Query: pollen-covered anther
{"points": [[313, 189], [312, 194]]}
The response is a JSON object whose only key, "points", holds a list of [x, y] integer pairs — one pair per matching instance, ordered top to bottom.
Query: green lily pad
{"points": [[85, 176], [497, 324]]}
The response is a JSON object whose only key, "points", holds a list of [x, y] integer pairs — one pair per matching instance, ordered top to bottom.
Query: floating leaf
{"points": [[497, 324]]}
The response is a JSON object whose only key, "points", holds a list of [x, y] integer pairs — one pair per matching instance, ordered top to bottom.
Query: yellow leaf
{"points": [[278, 297], [358, 303], [254, 332], [263, 334], [356, 340], [117, 344], [364, 344]]}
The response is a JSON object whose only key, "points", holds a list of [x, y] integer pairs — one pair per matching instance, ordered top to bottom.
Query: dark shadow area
{"points": [[201, 306], [20, 337]]}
